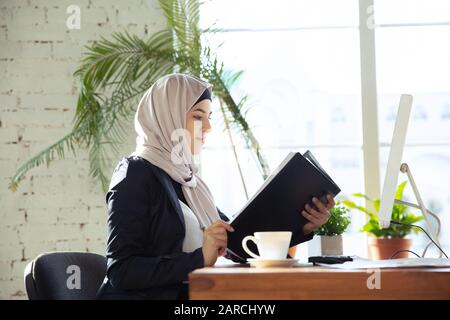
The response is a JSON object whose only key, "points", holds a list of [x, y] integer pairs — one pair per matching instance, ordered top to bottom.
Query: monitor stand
{"points": [[404, 168]]}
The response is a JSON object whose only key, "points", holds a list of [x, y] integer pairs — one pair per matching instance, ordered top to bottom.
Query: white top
{"points": [[194, 234]]}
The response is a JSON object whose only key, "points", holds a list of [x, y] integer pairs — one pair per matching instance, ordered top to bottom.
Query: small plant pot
{"points": [[325, 246], [385, 248]]}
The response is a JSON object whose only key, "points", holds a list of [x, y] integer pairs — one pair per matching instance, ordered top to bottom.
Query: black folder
{"points": [[277, 205]]}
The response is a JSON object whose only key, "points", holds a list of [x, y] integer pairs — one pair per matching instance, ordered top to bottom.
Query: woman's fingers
{"points": [[331, 203], [319, 205], [316, 214], [319, 216], [310, 217], [222, 225], [218, 231], [220, 236], [217, 242], [220, 243], [222, 251]]}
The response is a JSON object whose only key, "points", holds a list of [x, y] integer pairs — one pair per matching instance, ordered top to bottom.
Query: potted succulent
{"points": [[329, 240], [390, 242]]}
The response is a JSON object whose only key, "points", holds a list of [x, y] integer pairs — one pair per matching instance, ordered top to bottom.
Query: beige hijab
{"points": [[160, 124]]}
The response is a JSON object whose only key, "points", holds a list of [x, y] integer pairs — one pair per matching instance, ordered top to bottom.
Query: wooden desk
{"points": [[244, 282]]}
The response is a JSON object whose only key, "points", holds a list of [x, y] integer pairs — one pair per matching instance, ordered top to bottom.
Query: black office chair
{"points": [[64, 276]]}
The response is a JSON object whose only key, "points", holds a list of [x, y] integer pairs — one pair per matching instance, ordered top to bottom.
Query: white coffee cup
{"points": [[271, 244]]}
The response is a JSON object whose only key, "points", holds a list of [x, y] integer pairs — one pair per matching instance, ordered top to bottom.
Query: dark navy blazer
{"points": [[145, 235]]}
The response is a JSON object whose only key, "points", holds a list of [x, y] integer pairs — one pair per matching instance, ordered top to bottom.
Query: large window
{"points": [[413, 51], [302, 74]]}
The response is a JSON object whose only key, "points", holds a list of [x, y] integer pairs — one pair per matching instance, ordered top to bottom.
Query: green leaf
{"points": [[45, 156], [400, 188], [360, 195], [353, 205], [376, 205]]}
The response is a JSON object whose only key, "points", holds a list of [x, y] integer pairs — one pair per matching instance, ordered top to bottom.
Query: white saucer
{"points": [[272, 263]]}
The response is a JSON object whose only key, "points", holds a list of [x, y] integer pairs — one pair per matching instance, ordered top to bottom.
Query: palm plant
{"points": [[114, 73]]}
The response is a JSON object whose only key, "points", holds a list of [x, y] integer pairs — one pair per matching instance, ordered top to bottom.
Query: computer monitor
{"points": [[394, 162]]}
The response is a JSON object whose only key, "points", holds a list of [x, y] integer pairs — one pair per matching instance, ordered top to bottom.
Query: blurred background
{"points": [[311, 74]]}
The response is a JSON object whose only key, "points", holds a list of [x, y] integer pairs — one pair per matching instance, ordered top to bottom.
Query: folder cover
{"points": [[277, 205]]}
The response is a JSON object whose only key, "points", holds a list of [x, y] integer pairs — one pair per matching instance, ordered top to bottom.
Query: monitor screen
{"points": [[394, 161]]}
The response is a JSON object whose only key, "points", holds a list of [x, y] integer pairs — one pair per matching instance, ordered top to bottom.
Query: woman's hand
{"points": [[317, 218], [215, 242]]}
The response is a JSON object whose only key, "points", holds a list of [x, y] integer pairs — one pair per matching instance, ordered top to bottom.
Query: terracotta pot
{"points": [[385, 248], [292, 251]]}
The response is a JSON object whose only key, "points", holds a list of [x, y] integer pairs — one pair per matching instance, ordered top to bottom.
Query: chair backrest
{"points": [[65, 276]]}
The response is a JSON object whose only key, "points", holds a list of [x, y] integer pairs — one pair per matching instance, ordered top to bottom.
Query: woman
{"points": [[162, 220]]}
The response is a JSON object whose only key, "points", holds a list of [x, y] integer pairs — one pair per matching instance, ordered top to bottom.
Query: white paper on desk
{"points": [[222, 261], [360, 263]]}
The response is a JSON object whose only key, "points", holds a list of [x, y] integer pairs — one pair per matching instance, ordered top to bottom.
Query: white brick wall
{"points": [[58, 208]]}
